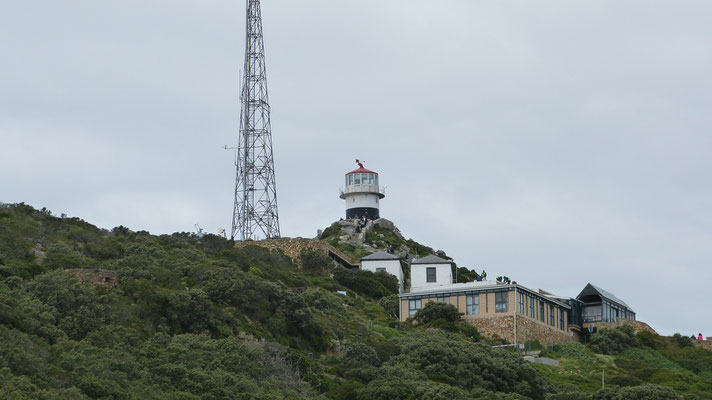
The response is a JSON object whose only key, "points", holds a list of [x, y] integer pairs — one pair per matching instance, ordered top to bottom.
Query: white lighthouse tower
{"points": [[362, 193]]}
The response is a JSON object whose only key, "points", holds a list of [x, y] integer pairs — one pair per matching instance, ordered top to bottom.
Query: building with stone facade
{"points": [[509, 311]]}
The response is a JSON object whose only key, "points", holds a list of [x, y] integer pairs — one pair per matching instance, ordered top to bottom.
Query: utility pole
{"points": [[255, 208], [603, 378]]}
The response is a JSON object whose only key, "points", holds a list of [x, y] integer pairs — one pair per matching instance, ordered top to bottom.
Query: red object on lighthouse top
{"points": [[361, 169]]}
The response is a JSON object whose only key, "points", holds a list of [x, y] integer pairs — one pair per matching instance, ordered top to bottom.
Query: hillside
{"points": [[191, 317]]}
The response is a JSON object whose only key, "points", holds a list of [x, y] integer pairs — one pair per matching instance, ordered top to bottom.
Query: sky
{"points": [[556, 142]]}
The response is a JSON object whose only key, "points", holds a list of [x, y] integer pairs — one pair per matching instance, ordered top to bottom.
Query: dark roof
{"points": [[381, 255], [431, 259], [593, 289]]}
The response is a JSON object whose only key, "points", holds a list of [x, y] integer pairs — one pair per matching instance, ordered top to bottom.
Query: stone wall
{"points": [[291, 247], [96, 277], [527, 330], [705, 344]]}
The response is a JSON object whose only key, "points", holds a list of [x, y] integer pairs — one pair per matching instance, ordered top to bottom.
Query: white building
{"points": [[362, 194], [384, 262], [430, 271]]}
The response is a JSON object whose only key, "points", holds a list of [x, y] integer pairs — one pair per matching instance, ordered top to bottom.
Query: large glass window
{"points": [[357, 179], [370, 179], [375, 179], [430, 274], [444, 299], [501, 302], [521, 302], [473, 304], [414, 306], [532, 313], [542, 317], [561, 319], [552, 320]]}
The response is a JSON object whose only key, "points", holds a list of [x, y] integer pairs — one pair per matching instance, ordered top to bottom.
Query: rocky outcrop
{"points": [[291, 247], [638, 326], [705, 344]]}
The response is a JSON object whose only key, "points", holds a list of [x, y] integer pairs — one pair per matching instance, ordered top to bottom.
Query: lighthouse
{"points": [[362, 193]]}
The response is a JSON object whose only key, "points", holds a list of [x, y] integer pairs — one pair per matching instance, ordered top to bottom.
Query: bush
{"points": [[315, 262], [371, 284], [390, 304], [433, 311], [469, 331], [649, 339], [612, 341], [682, 341], [573, 350], [643, 392], [568, 395]]}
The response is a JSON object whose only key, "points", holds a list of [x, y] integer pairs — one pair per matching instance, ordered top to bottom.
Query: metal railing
{"points": [[363, 189]]}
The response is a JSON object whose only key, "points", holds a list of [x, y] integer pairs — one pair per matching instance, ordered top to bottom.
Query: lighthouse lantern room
{"points": [[362, 193]]}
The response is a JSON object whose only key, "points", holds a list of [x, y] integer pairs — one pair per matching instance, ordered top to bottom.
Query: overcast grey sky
{"points": [[556, 142]]}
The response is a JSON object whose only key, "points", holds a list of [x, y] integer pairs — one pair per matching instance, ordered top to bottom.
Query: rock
{"points": [[542, 360]]}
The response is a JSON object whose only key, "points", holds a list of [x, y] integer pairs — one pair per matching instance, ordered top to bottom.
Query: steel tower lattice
{"points": [[255, 210]]}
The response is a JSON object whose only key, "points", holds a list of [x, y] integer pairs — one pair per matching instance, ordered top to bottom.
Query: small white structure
{"points": [[362, 194], [384, 262], [430, 271]]}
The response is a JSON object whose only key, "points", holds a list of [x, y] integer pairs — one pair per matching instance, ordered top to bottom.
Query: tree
{"points": [[390, 304], [433, 311]]}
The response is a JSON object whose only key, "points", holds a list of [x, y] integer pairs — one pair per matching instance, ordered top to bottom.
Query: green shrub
{"points": [[315, 262], [375, 285], [390, 304], [433, 311], [469, 331], [649, 339], [612, 341], [682, 341], [574, 350], [643, 392]]}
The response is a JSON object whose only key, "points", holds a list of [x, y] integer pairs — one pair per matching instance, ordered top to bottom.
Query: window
{"points": [[357, 179], [370, 179], [375, 179], [380, 269], [430, 274], [443, 299], [501, 302], [521, 302], [473, 304], [414, 306], [532, 313], [542, 317], [552, 320], [561, 320]]}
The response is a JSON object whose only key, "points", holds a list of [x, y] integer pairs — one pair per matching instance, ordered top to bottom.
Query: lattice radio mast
{"points": [[255, 211]]}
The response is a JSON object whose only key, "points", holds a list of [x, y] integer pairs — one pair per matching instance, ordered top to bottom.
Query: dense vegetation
{"points": [[195, 318], [637, 366]]}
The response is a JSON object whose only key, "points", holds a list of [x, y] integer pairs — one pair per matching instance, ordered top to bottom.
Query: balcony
{"points": [[375, 189]]}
